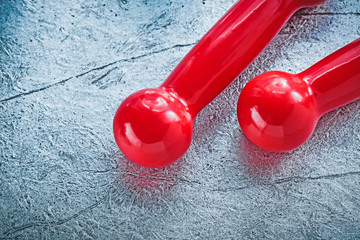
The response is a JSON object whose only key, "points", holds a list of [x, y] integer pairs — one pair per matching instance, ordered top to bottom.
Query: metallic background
{"points": [[65, 66]]}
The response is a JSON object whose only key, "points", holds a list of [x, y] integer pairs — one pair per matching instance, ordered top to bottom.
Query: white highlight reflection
{"points": [[258, 120]]}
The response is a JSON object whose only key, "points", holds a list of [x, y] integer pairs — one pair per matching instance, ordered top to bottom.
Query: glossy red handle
{"points": [[228, 49], [335, 80], [279, 111], [153, 127]]}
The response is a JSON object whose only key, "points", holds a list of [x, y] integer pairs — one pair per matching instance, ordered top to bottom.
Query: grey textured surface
{"points": [[67, 65]]}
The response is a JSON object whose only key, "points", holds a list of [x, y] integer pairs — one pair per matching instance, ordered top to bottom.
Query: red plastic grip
{"points": [[279, 111], [153, 127]]}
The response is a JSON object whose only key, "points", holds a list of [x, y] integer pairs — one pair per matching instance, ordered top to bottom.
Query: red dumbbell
{"points": [[278, 111], [153, 127]]}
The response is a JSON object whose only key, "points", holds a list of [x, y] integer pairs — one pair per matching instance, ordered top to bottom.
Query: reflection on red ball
{"points": [[276, 111], [153, 127]]}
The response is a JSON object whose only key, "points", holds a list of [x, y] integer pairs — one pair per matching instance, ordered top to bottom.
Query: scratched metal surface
{"points": [[67, 65]]}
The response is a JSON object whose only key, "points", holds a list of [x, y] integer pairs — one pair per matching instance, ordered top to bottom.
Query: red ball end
{"points": [[276, 111], [153, 128]]}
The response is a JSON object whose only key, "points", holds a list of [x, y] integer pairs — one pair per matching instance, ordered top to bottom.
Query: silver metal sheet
{"points": [[67, 65]]}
